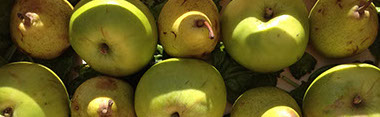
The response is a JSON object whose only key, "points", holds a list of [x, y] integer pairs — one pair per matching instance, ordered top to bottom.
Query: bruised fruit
{"points": [[40, 27], [189, 28], [115, 37], [179, 87], [31, 90], [103, 96], [265, 102]]}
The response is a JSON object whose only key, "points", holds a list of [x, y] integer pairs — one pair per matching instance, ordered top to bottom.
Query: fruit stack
{"points": [[189, 58]]}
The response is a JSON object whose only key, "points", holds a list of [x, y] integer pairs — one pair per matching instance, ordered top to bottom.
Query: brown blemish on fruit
{"points": [[183, 2], [339, 3], [320, 10], [316, 28], [164, 33], [175, 35], [278, 35], [364, 40], [350, 42], [355, 50], [106, 84]]}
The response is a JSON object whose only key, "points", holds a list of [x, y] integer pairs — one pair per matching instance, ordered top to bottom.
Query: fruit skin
{"points": [[178, 32], [336, 32], [128, 33], [44, 34], [261, 45], [190, 87], [32, 90], [331, 94], [89, 96], [265, 102]]}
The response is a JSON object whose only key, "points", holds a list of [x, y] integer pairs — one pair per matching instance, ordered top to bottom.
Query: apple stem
{"points": [[363, 7], [268, 13], [201, 23], [357, 100], [105, 109], [7, 112]]}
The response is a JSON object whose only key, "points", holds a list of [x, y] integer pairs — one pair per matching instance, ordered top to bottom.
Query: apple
{"points": [[265, 35], [115, 37], [181, 87], [31, 90], [344, 90], [103, 96], [265, 102]]}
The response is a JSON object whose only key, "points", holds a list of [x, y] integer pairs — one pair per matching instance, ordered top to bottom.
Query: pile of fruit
{"points": [[189, 58]]}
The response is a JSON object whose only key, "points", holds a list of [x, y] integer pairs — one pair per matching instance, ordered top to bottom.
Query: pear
{"points": [[40, 27], [189, 28], [343, 28], [31, 90], [103, 96], [265, 102]]}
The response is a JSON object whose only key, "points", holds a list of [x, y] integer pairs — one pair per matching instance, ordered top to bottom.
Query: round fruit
{"points": [[114, 37], [179, 87], [31, 90], [344, 90], [103, 96], [265, 102]]}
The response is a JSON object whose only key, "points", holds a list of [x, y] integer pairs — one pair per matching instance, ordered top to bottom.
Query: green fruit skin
{"points": [[337, 33], [130, 35], [265, 46], [190, 87], [32, 90], [119, 91], [331, 94], [261, 101]]}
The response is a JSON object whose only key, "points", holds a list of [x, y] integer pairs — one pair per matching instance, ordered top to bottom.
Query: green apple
{"points": [[40, 27], [265, 35], [115, 37], [180, 87], [31, 90], [344, 90], [103, 96], [265, 102]]}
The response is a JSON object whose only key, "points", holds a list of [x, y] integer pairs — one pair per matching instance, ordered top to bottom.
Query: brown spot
{"points": [[183, 2], [338, 2], [340, 6], [320, 10], [20, 16], [316, 28], [360, 30], [103, 32], [165, 33], [175, 35], [278, 35], [298, 35], [364, 40], [350, 42], [355, 50], [187, 82], [204, 83], [106, 84], [45, 103], [76, 108]]}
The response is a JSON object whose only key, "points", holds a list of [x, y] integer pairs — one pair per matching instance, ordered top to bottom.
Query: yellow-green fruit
{"points": [[40, 27], [183, 27], [339, 30], [179, 87], [31, 90], [345, 90], [103, 96], [265, 102]]}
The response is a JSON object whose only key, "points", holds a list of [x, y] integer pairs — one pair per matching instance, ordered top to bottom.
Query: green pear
{"points": [[40, 27], [189, 28], [343, 28], [115, 37], [266, 37], [180, 87], [31, 90], [345, 90], [103, 96], [265, 102]]}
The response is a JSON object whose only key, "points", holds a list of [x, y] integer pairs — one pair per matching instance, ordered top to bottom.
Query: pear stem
{"points": [[365, 6], [211, 33], [105, 109]]}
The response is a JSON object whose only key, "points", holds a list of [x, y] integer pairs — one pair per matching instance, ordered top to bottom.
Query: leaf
{"points": [[303, 66], [239, 79], [300, 91]]}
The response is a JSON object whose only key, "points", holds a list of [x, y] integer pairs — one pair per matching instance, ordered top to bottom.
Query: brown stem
{"points": [[362, 8], [201, 23], [105, 109]]}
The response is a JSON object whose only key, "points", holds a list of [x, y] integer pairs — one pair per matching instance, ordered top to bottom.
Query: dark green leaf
{"points": [[303, 66]]}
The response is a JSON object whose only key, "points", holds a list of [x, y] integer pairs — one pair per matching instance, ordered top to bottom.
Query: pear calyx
{"points": [[363, 7], [268, 13], [29, 18], [201, 23], [104, 48], [357, 100], [105, 109], [7, 112], [176, 114]]}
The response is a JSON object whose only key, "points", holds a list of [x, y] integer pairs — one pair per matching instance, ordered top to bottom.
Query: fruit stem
{"points": [[362, 8], [201, 23], [287, 80], [357, 100], [105, 109], [7, 112]]}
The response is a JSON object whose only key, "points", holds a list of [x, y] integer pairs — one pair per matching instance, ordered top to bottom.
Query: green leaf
{"points": [[303, 66], [239, 79], [300, 91]]}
